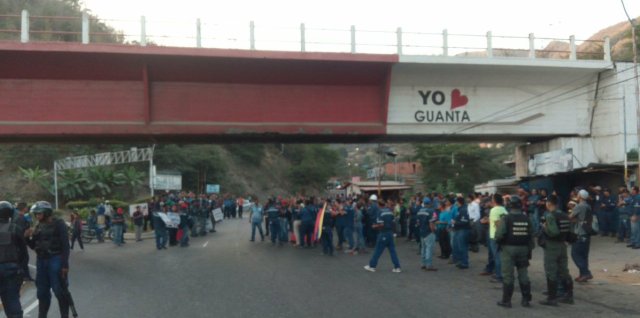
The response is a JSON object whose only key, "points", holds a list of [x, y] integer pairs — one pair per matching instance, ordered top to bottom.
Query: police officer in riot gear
{"points": [[556, 231], [514, 235], [51, 244], [11, 246]]}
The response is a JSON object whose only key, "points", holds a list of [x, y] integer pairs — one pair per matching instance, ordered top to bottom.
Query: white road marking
{"points": [[205, 244], [31, 307]]}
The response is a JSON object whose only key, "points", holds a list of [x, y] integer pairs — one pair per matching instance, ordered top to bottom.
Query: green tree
{"points": [[45, 28], [247, 153], [198, 164], [312, 165], [458, 167], [72, 184]]}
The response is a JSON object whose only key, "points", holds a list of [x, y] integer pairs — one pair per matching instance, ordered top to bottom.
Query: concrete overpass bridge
{"points": [[72, 92]]}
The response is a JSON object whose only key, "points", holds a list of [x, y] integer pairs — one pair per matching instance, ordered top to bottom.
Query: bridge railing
{"points": [[304, 38]]}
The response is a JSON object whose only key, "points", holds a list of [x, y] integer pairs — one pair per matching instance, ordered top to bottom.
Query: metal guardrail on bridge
{"points": [[303, 38]]}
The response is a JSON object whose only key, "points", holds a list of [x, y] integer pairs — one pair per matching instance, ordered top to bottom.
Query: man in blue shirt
{"points": [[255, 217], [349, 217], [427, 217], [274, 223], [306, 224], [385, 224], [461, 226], [634, 242]]}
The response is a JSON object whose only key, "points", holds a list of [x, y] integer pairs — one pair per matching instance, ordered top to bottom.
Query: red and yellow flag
{"points": [[317, 232]]}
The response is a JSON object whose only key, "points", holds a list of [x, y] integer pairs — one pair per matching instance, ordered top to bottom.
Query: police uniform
{"points": [[274, 223], [557, 232], [327, 233], [514, 234], [384, 240], [51, 244], [11, 249]]}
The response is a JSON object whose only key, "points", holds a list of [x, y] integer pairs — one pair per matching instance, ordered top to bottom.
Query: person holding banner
{"points": [[385, 224]]}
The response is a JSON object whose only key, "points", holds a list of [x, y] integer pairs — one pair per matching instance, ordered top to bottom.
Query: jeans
{"points": [[534, 217], [604, 222], [257, 225], [624, 228], [275, 230], [340, 230], [297, 231], [138, 232], [117, 233], [284, 233], [635, 233], [306, 234], [348, 235], [76, 236], [162, 236], [184, 240], [385, 240], [327, 241], [445, 242], [360, 243], [462, 243], [454, 246], [426, 248], [580, 254], [497, 264], [48, 278], [10, 289]]}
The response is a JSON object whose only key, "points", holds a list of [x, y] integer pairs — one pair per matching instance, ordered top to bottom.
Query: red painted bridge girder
{"points": [[75, 92]]}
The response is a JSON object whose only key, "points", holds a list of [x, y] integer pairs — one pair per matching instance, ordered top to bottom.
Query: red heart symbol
{"points": [[457, 99]]}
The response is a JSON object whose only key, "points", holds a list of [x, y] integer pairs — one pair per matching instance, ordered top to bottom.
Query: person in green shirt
{"points": [[496, 213]]}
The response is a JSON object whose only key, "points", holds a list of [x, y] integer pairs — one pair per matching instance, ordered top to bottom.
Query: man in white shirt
{"points": [[474, 217]]}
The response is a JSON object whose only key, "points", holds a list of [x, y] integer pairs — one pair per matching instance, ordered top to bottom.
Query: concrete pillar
{"points": [[85, 27], [24, 30], [143, 31], [198, 33], [252, 35], [353, 39], [303, 40], [399, 40], [445, 42], [489, 45], [572, 45], [532, 46], [607, 49], [522, 161]]}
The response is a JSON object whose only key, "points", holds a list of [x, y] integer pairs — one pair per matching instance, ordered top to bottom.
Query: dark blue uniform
{"points": [[274, 223], [327, 234], [385, 239]]}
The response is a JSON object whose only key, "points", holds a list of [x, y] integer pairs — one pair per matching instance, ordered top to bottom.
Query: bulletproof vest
{"points": [[564, 226], [517, 230], [48, 241], [8, 248]]}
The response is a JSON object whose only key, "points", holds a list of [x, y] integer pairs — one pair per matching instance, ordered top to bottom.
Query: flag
{"points": [[317, 232]]}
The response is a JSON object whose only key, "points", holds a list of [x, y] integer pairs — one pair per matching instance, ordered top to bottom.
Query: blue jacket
{"points": [[306, 215], [349, 216], [426, 216], [386, 219]]}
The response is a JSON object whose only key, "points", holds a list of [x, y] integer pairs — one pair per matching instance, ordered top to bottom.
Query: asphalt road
{"points": [[225, 275]]}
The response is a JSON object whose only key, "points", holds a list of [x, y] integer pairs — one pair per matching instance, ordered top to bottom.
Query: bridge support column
{"points": [[85, 27], [24, 30], [143, 31], [353, 39], [303, 40], [445, 42], [489, 44], [572, 44], [532, 47]]}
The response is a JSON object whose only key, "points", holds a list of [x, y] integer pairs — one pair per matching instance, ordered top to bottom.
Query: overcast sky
{"points": [[544, 18]]}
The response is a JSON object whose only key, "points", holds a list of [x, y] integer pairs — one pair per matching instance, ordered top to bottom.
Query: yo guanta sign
{"points": [[442, 107]]}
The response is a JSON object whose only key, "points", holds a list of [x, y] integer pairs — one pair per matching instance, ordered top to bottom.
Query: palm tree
{"points": [[130, 178], [72, 184]]}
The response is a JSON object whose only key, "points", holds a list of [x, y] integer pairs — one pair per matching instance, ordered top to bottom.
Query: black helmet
{"points": [[514, 202], [42, 207], [6, 210]]}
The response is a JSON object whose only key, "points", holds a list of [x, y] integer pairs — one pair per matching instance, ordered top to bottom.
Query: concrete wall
{"points": [[492, 101], [611, 108]]}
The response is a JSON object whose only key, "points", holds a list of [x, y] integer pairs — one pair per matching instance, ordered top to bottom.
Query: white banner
{"points": [[167, 182], [143, 208], [217, 215]]}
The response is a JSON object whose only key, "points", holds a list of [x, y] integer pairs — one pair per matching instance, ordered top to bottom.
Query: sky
{"points": [[544, 18]]}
